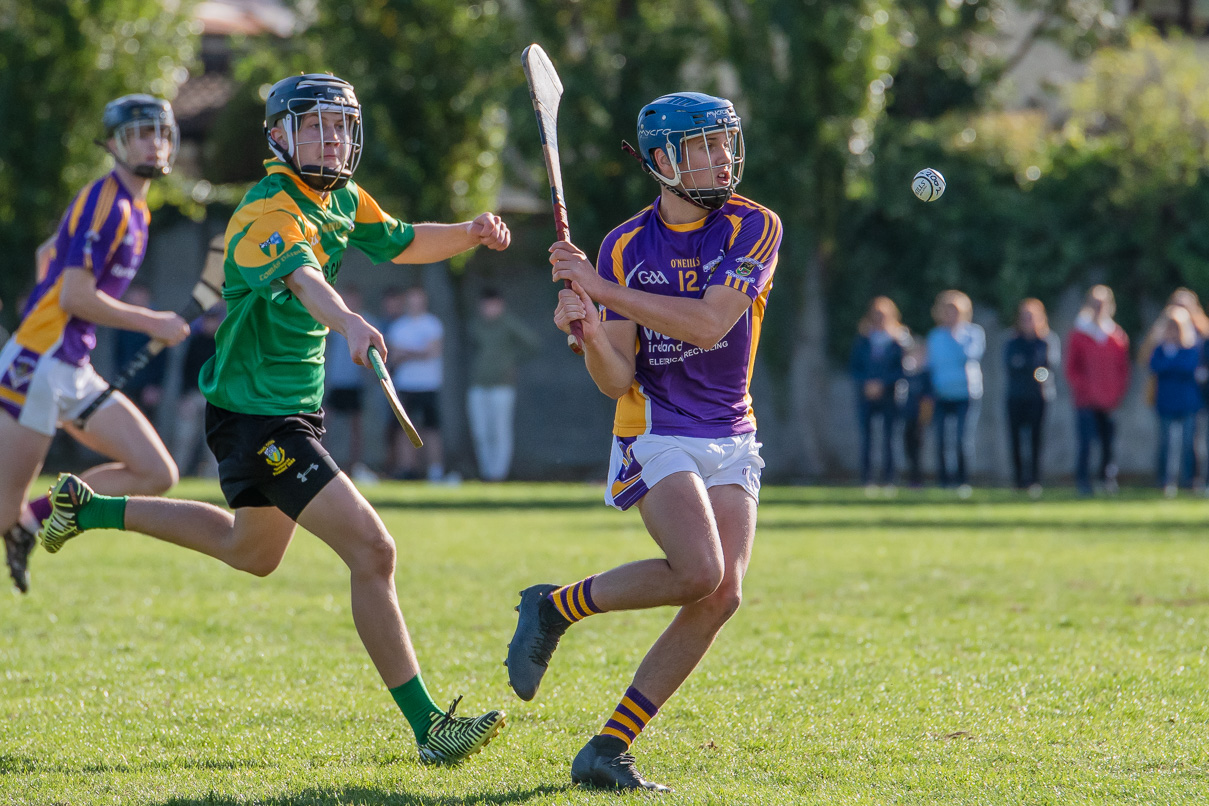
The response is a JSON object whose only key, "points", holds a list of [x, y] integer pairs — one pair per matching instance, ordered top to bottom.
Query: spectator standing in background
{"points": [[1187, 299], [499, 342], [414, 343], [955, 349], [1032, 356], [1174, 362], [876, 366], [1097, 369], [345, 389], [913, 395]]}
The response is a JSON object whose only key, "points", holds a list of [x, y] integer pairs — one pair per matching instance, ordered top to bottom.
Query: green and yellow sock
{"points": [[103, 512], [574, 601], [417, 706], [632, 715]]}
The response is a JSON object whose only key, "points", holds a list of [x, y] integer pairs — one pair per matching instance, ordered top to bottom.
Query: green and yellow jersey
{"points": [[269, 357]]}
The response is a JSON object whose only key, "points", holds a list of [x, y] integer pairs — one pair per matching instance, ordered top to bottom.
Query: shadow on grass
{"points": [[456, 503], [1148, 531], [22, 765], [338, 797]]}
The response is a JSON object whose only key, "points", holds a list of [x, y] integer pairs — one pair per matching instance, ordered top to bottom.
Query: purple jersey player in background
{"points": [[683, 286], [45, 375]]}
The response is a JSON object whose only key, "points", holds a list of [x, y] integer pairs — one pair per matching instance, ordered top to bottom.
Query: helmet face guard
{"points": [[316, 110], [134, 117], [674, 123]]}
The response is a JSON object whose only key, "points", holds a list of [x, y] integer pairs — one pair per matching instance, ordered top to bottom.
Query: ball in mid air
{"points": [[928, 185]]}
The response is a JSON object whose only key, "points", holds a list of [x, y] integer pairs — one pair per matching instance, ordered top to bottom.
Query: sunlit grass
{"points": [[916, 650]]}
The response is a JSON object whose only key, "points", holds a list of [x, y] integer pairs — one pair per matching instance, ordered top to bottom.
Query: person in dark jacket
{"points": [[1032, 356], [876, 366], [913, 395], [1177, 398]]}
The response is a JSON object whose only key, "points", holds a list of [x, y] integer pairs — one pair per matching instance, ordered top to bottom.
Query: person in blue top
{"points": [[955, 348], [1031, 356], [876, 367], [1177, 397]]}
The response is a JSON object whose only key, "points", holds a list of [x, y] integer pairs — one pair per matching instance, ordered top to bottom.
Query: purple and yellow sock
{"points": [[40, 509], [575, 601], [632, 714]]}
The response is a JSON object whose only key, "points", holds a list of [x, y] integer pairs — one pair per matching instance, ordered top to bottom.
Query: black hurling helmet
{"points": [[290, 100], [124, 119]]}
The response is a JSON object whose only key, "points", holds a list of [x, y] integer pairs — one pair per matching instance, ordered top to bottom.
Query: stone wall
{"points": [[563, 422]]}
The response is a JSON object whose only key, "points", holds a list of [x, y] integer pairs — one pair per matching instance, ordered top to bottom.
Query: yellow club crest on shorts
{"points": [[275, 457]]}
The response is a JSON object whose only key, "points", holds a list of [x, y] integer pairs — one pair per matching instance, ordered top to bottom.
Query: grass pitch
{"points": [[915, 651]]}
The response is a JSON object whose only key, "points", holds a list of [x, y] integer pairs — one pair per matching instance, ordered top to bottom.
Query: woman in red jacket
{"points": [[1097, 369]]}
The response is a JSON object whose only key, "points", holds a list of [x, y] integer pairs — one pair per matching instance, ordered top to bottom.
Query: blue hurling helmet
{"points": [[666, 122]]}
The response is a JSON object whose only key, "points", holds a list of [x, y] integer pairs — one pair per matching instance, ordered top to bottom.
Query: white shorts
{"points": [[40, 391], [637, 464]]}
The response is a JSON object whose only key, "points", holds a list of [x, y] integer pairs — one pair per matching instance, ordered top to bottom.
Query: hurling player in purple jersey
{"points": [[683, 286], [46, 378]]}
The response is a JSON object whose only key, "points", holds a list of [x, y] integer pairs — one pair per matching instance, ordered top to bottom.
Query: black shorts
{"points": [[345, 401], [421, 408], [269, 460]]}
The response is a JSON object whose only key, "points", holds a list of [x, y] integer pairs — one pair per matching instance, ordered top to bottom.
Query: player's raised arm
{"points": [[436, 242], [699, 321], [608, 346]]}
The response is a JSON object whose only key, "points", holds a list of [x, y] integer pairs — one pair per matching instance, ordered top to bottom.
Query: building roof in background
{"points": [[250, 17]]}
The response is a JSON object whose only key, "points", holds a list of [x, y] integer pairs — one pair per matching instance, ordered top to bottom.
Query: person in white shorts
{"points": [[683, 285], [46, 379]]}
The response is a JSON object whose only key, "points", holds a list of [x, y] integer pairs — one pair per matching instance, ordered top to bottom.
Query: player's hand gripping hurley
{"points": [[546, 91], [207, 293], [384, 381]]}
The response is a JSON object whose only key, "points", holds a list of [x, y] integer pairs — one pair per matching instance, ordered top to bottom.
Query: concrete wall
{"points": [[563, 422]]}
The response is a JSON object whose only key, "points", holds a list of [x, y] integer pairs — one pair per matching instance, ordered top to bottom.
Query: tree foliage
{"points": [[61, 61], [1113, 193]]}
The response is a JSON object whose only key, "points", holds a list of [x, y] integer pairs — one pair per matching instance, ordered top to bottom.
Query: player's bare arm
{"points": [[436, 242], [42, 258], [81, 298], [328, 308], [700, 322], [608, 346]]}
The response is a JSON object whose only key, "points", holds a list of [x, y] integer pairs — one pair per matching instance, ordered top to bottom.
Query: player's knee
{"points": [[157, 476], [165, 477], [376, 556], [258, 564], [261, 566], [699, 582], [725, 602]]}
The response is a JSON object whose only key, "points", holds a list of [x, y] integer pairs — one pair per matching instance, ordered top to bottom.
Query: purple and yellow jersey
{"points": [[105, 232], [680, 389]]}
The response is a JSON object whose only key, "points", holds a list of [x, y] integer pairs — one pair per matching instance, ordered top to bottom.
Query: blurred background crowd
{"points": [[1074, 136]]}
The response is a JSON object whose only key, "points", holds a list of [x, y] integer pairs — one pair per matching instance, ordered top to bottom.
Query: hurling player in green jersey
{"points": [[284, 246]]}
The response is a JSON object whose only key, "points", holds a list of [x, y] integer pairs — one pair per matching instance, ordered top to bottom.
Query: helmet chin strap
{"points": [[144, 171], [317, 177], [713, 199]]}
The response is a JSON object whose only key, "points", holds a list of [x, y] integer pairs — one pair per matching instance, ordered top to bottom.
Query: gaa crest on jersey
{"points": [[273, 245], [745, 266], [275, 457]]}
